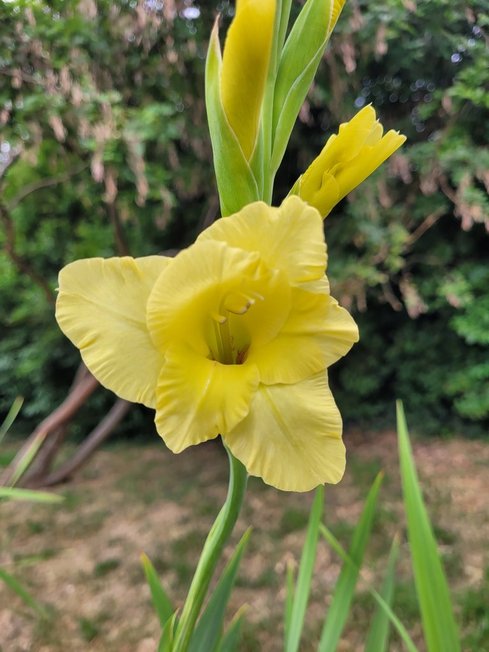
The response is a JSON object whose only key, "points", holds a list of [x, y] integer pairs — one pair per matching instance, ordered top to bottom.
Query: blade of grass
{"points": [[11, 416], [26, 459], [13, 493], [338, 548], [345, 586], [23, 594], [301, 595], [159, 597], [289, 599], [209, 627], [440, 629], [168, 634], [378, 635], [230, 640]]}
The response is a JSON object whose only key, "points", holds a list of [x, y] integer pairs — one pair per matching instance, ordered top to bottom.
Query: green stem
{"points": [[211, 553]]}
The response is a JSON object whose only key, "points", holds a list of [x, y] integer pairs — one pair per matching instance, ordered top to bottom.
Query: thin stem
{"points": [[211, 553]]}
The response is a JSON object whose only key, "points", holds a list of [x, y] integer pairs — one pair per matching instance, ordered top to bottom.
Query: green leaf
{"points": [[284, 7], [298, 64], [235, 181], [11, 416], [26, 459], [13, 493], [338, 548], [345, 586], [18, 588], [159, 597], [289, 600], [295, 622], [209, 627], [440, 629], [168, 634], [378, 635], [231, 638]]}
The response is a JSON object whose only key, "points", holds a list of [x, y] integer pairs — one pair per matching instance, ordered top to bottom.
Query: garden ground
{"points": [[81, 558]]}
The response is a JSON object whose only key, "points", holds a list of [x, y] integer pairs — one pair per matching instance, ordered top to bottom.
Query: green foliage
{"points": [[296, 69], [103, 113], [103, 124], [235, 180], [413, 238], [11, 416], [13, 493], [18, 588], [298, 592], [159, 597], [339, 607], [475, 616], [440, 629], [208, 634], [378, 634]]}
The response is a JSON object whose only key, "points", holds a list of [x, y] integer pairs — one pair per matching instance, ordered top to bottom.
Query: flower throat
{"points": [[225, 349]]}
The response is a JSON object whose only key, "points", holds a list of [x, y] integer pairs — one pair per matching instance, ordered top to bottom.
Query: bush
{"points": [[103, 117]]}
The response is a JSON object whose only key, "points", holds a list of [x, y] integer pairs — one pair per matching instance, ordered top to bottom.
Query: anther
{"points": [[255, 295], [238, 303], [221, 319]]}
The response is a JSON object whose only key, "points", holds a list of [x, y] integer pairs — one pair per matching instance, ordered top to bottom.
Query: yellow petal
{"points": [[245, 64], [351, 138], [346, 160], [368, 161], [289, 238], [209, 282], [101, 307], [341, 332], [316, 334], [198, 398], [292, 436]]}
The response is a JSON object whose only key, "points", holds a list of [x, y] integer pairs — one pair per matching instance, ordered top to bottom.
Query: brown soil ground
{"points": [[81, 558]]}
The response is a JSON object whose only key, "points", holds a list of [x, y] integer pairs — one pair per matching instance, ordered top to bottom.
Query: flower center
{"points": [[227, 348]]}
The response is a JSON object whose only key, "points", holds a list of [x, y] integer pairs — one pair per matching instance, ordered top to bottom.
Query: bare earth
{"points": [[81, 558]]}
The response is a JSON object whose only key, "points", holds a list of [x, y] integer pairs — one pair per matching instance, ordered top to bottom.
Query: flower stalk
{"points": [[211, 553]]}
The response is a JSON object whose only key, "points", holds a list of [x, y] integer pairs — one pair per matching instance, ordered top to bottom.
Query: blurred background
{"points": [[104, 151]]}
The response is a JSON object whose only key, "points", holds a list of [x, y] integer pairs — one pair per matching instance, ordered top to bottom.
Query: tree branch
{"points": [[44, 183], [429, 221], [120, 241], [61, 415], [90, 444], [43, 461]]}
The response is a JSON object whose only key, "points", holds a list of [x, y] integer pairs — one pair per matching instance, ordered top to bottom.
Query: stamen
{"points": [[256, 295], [238, 303], [241, 310], [221, 319], [224, 347]]}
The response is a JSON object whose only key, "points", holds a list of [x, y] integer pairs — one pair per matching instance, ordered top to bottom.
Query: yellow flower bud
{"points": [[336, 8], [245, 65], [346, 160]]}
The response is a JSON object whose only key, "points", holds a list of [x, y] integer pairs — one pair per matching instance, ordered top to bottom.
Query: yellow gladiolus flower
{"points": [[245, 65], [346, 160], [232, 337]]}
